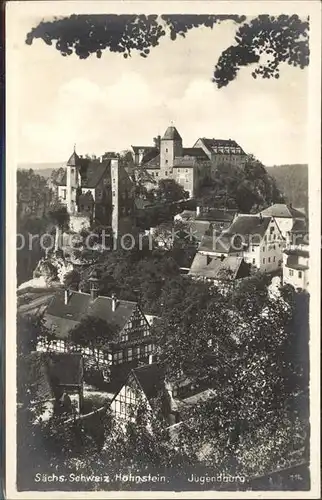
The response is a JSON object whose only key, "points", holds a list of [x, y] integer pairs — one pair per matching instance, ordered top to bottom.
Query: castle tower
{"points": [[171, 146], [72, 181], [115, 196]]}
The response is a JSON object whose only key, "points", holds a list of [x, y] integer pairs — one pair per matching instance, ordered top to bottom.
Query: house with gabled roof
{"points": [[285, 216], [257, 239], [134, 341], [149, 387]]}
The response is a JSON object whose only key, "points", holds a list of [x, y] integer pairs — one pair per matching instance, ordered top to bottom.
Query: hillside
{"points": [[44, 169], [292, 180]]}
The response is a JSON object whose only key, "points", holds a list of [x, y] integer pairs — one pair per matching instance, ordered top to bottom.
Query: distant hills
{"points": [[44, 169], [292, 180]]}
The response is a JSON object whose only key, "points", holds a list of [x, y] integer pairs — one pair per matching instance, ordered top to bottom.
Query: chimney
{"points": [[94, 286], [66, 297], [114, 302]]}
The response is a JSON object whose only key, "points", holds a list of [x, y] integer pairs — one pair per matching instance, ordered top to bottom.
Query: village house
{"points": [[96, 190], [284, 215], [206, 221], [257, 239], [296, 257], [217, 269], [134, 340], [57, 379], [149, 387]]}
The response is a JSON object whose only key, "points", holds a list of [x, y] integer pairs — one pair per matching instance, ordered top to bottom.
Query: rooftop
{"points": [[172, 134], [213, 144], [91, 172], [281, 210], [226, 269], [81, 305], [51, 370]]}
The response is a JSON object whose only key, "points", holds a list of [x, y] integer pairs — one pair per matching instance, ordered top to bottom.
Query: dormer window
{"points": [[72, 170]]}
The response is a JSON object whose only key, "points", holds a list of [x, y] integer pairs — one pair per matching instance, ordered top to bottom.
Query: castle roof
{"points": [[171, 134], [213, 144], [73, 160], [91, 171]]}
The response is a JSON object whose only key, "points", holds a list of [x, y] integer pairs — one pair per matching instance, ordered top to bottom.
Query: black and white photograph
{"points": [[163, 240]]}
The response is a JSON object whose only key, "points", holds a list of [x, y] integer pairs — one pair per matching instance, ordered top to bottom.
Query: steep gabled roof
{"points": [[172, 134], [213, 144], [196, 152], [153, 163], [91, 171], [281, 210], [245, 225], [216, 244], [226, 269], [80, 305], [48, 371], [150, 378]]}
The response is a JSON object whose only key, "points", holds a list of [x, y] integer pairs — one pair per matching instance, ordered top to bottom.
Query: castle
{"points": [[168, 159], [96, 190]]}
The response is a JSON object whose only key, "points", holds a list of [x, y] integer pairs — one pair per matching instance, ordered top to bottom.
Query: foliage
{"points": [[282, 39], [292, 180], [247, 188], [169, 190], [58, 214], [72, 280], [93, 333]]}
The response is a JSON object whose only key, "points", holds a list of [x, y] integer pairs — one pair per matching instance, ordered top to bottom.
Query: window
{"points": [[166, 150], [166, 162], [72, 170], [187, 170], [166, 173], [157, 174], [113, 193], [64, 194], [271, 230], [265, 238], [253, 249], [263, 249], [269, 259], [274, 259], [264, 260], [254, 261], [290, 272], [300, 274], [124, 336], [129, 354], [118, 357]]}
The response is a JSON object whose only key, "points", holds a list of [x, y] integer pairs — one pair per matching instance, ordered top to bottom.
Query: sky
{"points": [[111, 103]]}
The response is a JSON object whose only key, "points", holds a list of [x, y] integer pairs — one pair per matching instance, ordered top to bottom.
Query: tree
{"points": [[284, 39], [247, 188], [170, 191], [59, 216], [72, 280], [95, 334], [242, 353]]}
